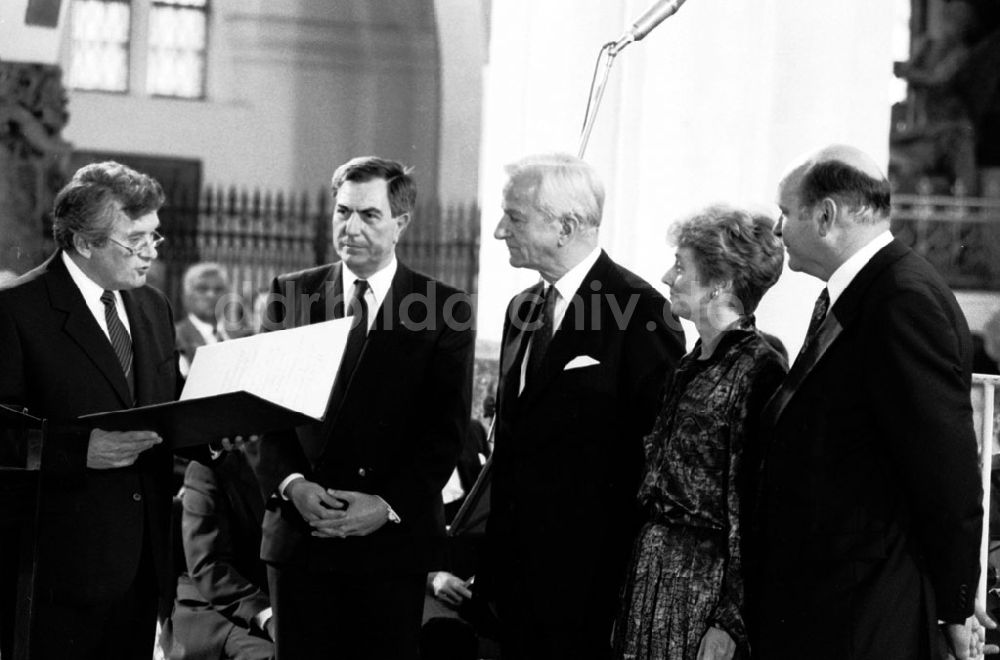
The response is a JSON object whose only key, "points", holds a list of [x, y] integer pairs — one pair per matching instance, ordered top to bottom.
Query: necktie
{"points": [[819, 313], [542, 336], [356, 337], [120, 340], [313, 438]]}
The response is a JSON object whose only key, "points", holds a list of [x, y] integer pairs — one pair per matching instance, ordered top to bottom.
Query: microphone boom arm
{"points": [[658, 12], [596, 94]]}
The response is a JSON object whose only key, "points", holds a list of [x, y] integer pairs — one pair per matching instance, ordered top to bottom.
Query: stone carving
{"points": [[946, 130], [33, 159]]}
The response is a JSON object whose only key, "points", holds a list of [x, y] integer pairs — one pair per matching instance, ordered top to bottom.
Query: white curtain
{"points": [[712, 106]]}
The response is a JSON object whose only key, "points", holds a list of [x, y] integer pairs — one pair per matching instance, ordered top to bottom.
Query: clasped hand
{"points": [[118, 449], [337, 513], [449, 588], [968, 641], [716, 644]]}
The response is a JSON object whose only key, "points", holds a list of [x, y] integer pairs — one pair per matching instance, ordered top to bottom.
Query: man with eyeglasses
{"points": [[83, 334], [356, 500]]}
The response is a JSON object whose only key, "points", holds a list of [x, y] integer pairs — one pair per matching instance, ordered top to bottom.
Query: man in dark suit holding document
{"points": [[83, 334], [355, 501]]}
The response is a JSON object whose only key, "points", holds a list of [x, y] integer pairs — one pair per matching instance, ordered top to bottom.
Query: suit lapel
{"points": [[329, 303], [843, 313], [83, 329], [188, 335], [573, 336], [565, 337], [516, 342], [375, 349], [143, 350], [803, 366]]}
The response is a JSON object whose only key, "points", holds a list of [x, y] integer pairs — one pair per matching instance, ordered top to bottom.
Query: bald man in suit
{"points": [[871, 506]]}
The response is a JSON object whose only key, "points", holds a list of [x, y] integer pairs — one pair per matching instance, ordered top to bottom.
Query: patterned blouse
{"points": [[703, 455]]}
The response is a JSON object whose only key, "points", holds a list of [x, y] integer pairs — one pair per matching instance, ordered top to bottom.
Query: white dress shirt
{"points": [[843, 276], [378, 287], [566, 287], [92, 292], [208, 331]]}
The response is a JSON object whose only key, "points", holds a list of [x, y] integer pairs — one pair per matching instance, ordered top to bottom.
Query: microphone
{"points": [[660, 11]]}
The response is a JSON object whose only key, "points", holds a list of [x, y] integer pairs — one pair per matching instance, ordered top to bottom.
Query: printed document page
{"points": [[294, 368]]}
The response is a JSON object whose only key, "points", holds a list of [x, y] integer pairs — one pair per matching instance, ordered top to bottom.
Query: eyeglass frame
{"points": [[153, 241]]}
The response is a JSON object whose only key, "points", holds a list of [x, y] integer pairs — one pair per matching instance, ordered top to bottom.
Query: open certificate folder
{"points": [[267, 382]]}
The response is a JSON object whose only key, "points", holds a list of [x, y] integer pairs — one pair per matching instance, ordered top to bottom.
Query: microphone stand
{"points": [[659, 11], [607, 53]]}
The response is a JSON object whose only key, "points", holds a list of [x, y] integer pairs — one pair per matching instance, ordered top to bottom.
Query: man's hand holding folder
{"points": [[267, 382], [116, 449]]}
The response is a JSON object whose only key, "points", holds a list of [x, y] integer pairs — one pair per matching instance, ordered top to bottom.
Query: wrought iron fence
{"points": [[256, 236], [960, 236]]}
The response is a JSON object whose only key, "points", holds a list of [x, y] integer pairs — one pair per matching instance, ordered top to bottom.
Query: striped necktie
{"points": [[820, 310], [120, 339]]}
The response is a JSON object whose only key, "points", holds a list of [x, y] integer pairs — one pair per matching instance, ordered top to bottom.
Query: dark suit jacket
{"points": [[188, 338], [56, 361], [982, 363], [397, 432], [475, 450], [568, 452], [469, 465], [871, 500], [226, 582]]}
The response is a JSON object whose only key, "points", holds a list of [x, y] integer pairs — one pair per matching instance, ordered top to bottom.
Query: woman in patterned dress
{"points": [[684, 594]]}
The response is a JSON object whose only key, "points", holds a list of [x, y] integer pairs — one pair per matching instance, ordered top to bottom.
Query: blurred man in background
{"points": [[205, 284]]}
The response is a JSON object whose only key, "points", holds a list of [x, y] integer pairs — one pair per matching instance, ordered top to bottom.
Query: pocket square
{"points": [[580, 361]]}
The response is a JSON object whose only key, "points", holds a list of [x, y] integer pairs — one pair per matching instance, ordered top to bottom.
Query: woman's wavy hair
{"points": [[735, 245]]}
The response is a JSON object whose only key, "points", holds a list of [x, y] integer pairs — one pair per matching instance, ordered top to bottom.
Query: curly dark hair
{"points": [[90, 202], [733, 245]]}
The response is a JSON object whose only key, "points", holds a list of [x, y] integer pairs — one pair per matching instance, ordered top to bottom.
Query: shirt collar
{"points": [[843, 276], [570, 282], [379, 283], [90, 289], [205, 329]]}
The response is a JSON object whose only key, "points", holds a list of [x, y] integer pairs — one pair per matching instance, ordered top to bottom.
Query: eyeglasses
{"points": [[139, 245]]}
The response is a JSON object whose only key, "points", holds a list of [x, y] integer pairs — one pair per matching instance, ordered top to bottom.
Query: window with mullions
{"points": [[178, 41], [100, 43]]}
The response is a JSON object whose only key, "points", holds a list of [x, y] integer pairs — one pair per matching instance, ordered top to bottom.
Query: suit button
{"points": [[362, 472], [137, 497]]}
